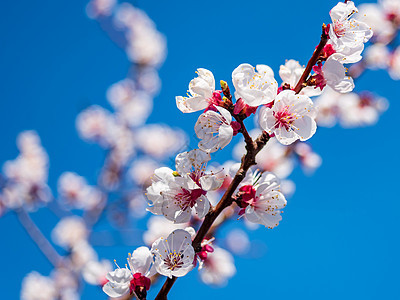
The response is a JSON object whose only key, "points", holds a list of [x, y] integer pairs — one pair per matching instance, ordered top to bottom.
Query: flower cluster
{"points": [[194, 197]]}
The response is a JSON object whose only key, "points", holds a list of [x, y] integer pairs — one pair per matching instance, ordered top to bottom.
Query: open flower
{"points": [[345, 33], [291, 72], [333, 74], [255, 88], [201, 93], [290, 118], [215, 129], [177, 194], [261, 200], [174, 255], [133, 279]]}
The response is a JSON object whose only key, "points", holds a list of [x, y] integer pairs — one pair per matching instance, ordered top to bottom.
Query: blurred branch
{"points": [[38, 237]]}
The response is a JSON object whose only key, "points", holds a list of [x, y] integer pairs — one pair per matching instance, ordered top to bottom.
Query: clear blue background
{"points": [[339, 235]]}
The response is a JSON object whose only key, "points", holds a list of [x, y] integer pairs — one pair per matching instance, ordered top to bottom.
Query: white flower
{"points": [[391, 7], [97, 8], [373, 15], [345, 33], [145, 45], [377, 56], [394, 66], [291, 72], [333, 74], [255, 88], [200, 94], [133, 106], [360, 110], [290, 118], [94, 124], [214, 129], [160, 140], [309, 160], [26, 175], [160, 183], [75, 191], [176, 196], [262, 200], [159, 226], [69, 232], [238, 241], [174, 255], [218, 267], [94, 272], [124, 280], [119, 282], [38, 287]]}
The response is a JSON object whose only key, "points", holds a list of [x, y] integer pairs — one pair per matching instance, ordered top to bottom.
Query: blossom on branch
{"points": [[347, 35], [254, 87], [201, 93], [290, 118], [215, 129], [176, 194], [261, 199], [174, 255], [133, 279]]}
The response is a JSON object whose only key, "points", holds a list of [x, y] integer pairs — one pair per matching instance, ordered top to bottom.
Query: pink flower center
{"points": [[339, 28], [319, 77], [215, 100], [284, 118], [248, 195], [187, 198], [139, 281]]}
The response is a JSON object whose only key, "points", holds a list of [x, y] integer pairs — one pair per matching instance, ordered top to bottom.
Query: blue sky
{"points": [[339, 234]]}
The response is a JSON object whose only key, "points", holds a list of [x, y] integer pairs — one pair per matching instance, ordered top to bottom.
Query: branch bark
{"points": [[312, 61]]}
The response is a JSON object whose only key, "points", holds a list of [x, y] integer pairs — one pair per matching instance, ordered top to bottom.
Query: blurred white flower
{"points": [[99, 8], [377, 56], [394, 65], [160, 140], [26, 176], [74, 191], [159, 226], [69, 232], [238, 241], [218, 267], [94, 272], [38, 287]]}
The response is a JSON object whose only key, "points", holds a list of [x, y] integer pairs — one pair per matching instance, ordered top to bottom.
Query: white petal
{"points": [[141, 260]]}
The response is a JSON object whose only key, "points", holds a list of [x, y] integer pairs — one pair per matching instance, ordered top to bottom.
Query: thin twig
{"points": [[38, 237]]}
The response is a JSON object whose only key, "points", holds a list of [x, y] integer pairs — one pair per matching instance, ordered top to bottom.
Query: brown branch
{"points": [[313, 60], [248, 160], [38, 237], [162, 295]]}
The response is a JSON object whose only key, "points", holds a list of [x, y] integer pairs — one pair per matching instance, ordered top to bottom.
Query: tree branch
{"points": [[312, 61], [248, 160], [38, 237]]}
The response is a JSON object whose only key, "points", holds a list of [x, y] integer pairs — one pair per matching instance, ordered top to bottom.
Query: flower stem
{"points": [[312, 61]]}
